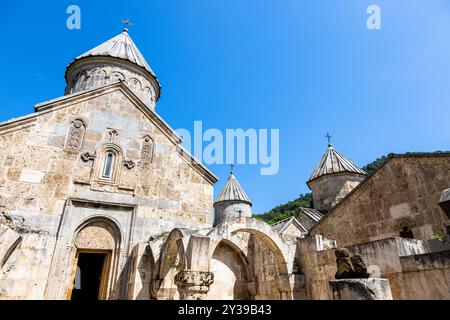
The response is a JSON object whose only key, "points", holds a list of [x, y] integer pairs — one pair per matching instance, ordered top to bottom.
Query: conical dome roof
{"points": [[121, 47], [334, 162], [232, 191]]}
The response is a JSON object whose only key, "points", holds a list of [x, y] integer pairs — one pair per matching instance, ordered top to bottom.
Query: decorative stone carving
{"points": [[116, 76], [135, 85], [113, 133], [76, 135], [147, 150], [87, 157], [129, 164], [97, 235], [349, 267], [193, 285]]}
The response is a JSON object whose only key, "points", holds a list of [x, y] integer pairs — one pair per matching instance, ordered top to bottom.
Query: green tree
{"points": [[286, 210]]}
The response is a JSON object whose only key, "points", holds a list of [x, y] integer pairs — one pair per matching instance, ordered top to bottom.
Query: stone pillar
{"points": [[193, 285], [361, 289]]}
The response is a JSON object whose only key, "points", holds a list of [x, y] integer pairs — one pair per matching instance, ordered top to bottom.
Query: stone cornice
{"points": [[16, 124]]}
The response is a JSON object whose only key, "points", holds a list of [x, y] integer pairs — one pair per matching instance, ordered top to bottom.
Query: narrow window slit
{"points": [[107, 167]]}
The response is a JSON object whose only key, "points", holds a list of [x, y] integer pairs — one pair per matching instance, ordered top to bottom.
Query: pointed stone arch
{"points": [[258, 228], [273, 246], [172, 260], [232, 273]]}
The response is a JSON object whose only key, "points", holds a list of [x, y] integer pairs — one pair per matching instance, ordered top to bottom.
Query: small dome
{"points": [[121, 47], [117, 59], [334, 162], [232, 191]]}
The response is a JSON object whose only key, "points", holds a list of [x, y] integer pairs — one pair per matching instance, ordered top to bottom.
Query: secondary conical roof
{"points": [[334, 162], [232, 191]]}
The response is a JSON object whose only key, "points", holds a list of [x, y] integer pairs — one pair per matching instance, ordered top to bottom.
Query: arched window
{"points": [[116, 76], [95, 78], [135, 85], [108, 165]]}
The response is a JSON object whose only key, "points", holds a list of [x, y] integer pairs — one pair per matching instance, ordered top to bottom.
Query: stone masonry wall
{"points": [[38, 175], [328, 190], [405, 192], [412, 273]]}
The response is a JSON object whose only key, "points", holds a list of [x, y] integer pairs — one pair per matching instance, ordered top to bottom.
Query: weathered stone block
{"points": [[31, 176], [361, 289]]}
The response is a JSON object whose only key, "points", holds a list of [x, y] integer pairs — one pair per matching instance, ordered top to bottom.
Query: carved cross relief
{"points": [[76, 135], [147, 150]]}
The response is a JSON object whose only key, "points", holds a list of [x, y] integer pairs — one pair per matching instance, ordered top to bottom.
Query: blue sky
{"points": [[305, 67]]}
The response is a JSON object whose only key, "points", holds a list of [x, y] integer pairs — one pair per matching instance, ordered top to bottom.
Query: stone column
{"points": [[193, 285], [361, 289]]}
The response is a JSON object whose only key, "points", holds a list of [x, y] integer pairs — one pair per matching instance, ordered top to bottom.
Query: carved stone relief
{"points": [[75, 137], [147, 150]]}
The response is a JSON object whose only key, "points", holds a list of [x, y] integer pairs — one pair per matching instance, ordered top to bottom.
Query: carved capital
{"points": [[193, 285]]}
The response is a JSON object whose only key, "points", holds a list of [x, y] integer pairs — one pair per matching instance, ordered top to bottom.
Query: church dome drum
{"points": [[117, 59]]}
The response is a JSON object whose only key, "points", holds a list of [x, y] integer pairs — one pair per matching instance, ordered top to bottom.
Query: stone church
{"points": [[99, 200]]}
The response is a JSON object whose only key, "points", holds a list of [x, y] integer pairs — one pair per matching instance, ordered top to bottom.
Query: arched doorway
{"points": [[96, 242]]}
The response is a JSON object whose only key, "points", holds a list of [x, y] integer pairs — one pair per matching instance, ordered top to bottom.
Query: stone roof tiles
{"points": [[121, 47], [334, 162], [232, 191], [312, 214], [280, 226]]}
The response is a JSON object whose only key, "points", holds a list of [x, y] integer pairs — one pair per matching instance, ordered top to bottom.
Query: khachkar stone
{"points": [[76, 135], [349, 267], [353, 282], [193, 285], [361, 289]]}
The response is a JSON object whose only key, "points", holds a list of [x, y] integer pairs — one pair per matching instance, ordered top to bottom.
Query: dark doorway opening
{"points": [[406, 233], [90, 276]]}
